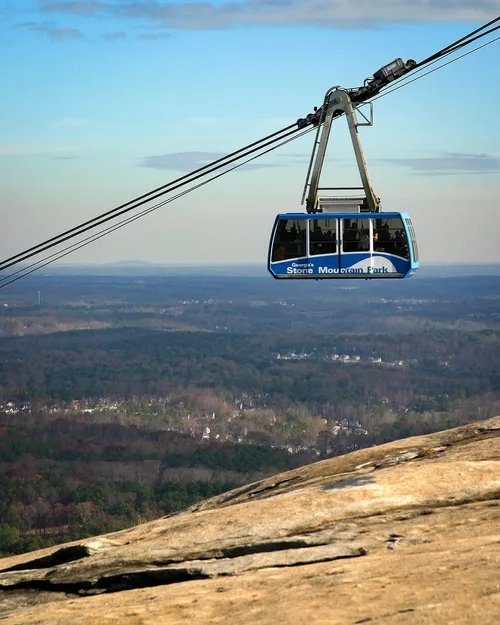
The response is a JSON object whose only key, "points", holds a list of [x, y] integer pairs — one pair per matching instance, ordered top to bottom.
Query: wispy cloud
{"points": [[84, 7], [321, 13], [52, 30], [120, 36], [154, 36], [70, 122], [32, 149], [189, 161], [450, 163]]}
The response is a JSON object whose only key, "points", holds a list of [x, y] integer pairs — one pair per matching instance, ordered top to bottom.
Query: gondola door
{"points": [[355, 244], [324, 245]]}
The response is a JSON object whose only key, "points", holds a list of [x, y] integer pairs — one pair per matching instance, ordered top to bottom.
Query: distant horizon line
{"points": [[239, 263]]}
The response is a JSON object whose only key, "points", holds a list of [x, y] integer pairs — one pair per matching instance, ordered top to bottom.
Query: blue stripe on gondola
{"points": [[352, 263]]}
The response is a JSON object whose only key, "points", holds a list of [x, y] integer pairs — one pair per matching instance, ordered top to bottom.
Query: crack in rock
{"points": [[253, 492], [63, 555], [54, 565], [148, 576]]}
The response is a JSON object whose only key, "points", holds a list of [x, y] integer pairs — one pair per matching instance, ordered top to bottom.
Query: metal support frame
{"points": [[338, 100]]}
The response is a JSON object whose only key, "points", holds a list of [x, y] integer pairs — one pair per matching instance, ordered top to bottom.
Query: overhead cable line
{"points": [[463, 41], [435, 58], [408, 81], [368, 93], [142, 199], [132, 205], [94, 237]]}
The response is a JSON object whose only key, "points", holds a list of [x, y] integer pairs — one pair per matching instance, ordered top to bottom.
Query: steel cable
{"points": [[142, 199], [117, 212], [94, 237]]}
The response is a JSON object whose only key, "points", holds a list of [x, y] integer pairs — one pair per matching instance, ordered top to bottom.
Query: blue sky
{"points": [[105, 100]]}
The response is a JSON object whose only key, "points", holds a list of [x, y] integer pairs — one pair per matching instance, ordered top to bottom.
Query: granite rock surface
{"points": [[408, 532]]}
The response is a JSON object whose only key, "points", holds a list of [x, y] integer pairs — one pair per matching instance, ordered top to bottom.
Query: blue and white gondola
{"points": [[343, 245]]}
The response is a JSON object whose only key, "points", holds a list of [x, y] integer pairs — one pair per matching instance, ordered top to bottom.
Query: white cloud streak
{"points": [[320, 13], [52, 30], [120, 36], [154, 36], [32, 149], [189, 161], [450, 163]]}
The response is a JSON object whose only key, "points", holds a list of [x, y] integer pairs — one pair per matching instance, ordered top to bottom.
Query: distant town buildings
{"points": [[345, 358], [209, 426]]}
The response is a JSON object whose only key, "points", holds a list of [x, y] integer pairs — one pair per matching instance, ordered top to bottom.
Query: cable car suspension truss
{"points": [[337, 101]]}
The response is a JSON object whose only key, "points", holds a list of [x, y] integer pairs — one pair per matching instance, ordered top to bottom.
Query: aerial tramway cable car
{"points": [[343, 237], [343, 245]]}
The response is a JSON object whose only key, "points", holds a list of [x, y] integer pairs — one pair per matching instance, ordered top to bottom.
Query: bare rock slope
{"points": [[407, 532]]}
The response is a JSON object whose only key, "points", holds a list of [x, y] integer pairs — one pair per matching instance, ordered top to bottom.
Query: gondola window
{"points": [[356, 235], [322, 236], [389, 237], [290, 240]]}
